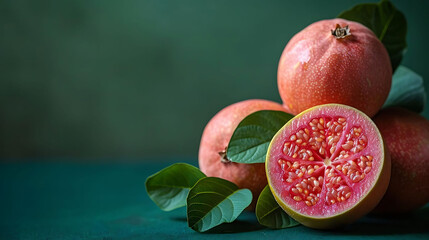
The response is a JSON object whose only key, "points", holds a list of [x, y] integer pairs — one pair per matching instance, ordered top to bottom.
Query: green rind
{"points": [[363, 207]]}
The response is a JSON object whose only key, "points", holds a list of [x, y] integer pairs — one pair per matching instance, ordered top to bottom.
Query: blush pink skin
{"points": [[317, 68], [406, 135], [215, 139]]}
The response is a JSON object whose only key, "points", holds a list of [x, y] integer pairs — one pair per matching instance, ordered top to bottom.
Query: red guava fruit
{"points": [[334, 61], [406, 135], [212, 157], [328, 166]]}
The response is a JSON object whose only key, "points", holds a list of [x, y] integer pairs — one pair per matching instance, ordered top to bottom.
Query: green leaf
{"points": [[386, 22], [407, 91], [250, 140], [169, 187], [213, 201], [270, 214]]}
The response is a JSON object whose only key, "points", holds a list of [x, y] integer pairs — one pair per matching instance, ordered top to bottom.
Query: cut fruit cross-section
{"points": [[328, 166]]}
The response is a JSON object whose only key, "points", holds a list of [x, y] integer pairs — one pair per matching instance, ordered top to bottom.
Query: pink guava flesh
{"points": [[325, 161]]}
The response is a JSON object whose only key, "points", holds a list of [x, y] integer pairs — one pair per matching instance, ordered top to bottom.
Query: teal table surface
{"points": [[64, 200]]}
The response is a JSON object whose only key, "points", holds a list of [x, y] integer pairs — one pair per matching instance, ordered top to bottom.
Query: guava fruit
{"points": [[334, 61], [406, 135], [212, 157], [328, 166]]}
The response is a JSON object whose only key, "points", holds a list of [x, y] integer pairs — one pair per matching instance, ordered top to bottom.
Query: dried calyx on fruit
{"points": [[341, 32]]}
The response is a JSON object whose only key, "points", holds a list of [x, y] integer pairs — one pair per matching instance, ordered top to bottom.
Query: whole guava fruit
{"points": [[334, 61], [406, 135], [212, 157], [328, 166]]}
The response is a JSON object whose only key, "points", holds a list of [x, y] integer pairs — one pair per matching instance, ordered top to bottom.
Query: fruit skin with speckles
{"points": [[317, 68], [406, 135], [212, 158], [323, 216]]}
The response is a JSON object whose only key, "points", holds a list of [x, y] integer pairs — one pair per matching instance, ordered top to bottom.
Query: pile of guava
{"points": [[330, 71], [347, 149]]}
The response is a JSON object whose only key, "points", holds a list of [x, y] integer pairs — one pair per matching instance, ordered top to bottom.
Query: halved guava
{"points": [[328, 166]]}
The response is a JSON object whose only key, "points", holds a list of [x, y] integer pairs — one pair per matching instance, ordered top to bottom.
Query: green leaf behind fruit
{"points": [[386, 22], [407, 91], [250, 140], [169, 187], [213, 201], [270, 214]]}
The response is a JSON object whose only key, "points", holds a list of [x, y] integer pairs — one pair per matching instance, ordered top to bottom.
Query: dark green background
{"points": [[139, 79]]}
